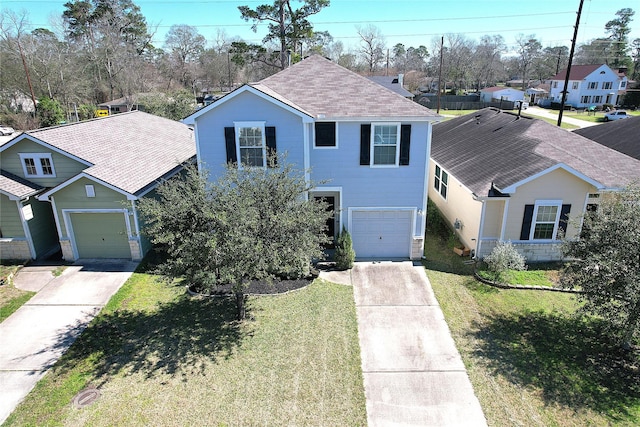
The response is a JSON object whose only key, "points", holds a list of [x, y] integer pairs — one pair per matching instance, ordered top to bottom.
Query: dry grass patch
{"points": [[164, 359]]}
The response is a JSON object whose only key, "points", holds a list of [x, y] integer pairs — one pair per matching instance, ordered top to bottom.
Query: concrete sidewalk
{"points": [[541, 112], [39, 332], [413, 373]]}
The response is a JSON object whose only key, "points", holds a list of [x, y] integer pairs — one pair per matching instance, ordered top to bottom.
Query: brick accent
{"points": [[417, 248], [17, 249], [136, 250], [67, 251], [533, 252]]}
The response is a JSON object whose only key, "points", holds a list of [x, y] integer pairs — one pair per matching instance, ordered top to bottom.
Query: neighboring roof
{"points": [[578, 72], [391, 83], [498, 88], [324, 89], [621, 135], [495, 147], [128, 150], [13, 185]]}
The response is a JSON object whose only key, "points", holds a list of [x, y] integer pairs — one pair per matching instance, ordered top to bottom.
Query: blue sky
{"points": [[411, 22]]}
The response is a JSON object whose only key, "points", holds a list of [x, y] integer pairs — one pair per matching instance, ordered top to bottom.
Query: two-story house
{"points": [[589, 85], [367, 146], [74, 188]]}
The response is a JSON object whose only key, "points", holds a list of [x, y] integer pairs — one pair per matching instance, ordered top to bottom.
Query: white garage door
{"points": [[381, 234]]}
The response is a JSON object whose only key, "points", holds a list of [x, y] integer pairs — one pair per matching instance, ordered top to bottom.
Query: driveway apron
{"points": [[38, 333], [413, 373]]}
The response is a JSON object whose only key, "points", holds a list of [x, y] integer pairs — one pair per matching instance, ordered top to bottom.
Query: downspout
{"points": [[307, 160], [481, 227]]}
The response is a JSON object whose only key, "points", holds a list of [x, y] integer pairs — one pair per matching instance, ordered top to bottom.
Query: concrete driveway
{"points": [[39, 332], [413, 373]]}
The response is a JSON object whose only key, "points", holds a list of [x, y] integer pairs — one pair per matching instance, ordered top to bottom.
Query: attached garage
{"points": [[381, 233], [100, 235]]}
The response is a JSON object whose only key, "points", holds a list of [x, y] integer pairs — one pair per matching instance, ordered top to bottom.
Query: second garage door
{"points": [[381, 234], [101, 235]]}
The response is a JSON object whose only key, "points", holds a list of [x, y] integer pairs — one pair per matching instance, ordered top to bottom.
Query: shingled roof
{"points": [[578, 72], [324, 89], [621, 135], [493, 146], [127, 150], [15, 186]]}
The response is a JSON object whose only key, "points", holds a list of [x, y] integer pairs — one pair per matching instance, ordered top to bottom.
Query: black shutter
{"points": [[325, 134], [270, 135], [230, 141], [365, 144], [405, 144], [564, 220], [526, 222]]}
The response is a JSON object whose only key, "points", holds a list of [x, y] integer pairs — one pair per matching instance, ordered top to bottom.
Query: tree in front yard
{"points": [[250, 224], [605, 263]]}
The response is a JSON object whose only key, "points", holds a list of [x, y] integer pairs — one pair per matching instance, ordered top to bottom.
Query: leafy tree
{"points": [[287, 26], [618, 30], [49, 112], [250, 224], [344, 255], [605, 263]]}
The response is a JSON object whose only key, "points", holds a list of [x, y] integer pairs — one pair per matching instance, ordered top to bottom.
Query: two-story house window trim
{"points": [[593, 85], [325, 135], [250, 143], [385, 144], [37, 165]]}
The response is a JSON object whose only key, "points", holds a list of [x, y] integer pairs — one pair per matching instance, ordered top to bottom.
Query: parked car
{"points": [[525, 104], [615, 115], [6, 130]]}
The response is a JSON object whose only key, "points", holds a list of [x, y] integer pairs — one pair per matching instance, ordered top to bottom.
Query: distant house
{"points": [[394, 83], [589, 85], [496, 93], [621, 135], [367, 146], [499, 177], [74, 187]]}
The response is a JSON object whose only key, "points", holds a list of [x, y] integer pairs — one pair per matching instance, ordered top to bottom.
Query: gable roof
{"points": [[578, 72], [326, 90], [620, 135], [493, 147], [128, 150], [16, 187]]}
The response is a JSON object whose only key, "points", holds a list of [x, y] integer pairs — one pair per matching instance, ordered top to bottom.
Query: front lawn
{"points": [[11, 298], [162, 358], [531, 359]]}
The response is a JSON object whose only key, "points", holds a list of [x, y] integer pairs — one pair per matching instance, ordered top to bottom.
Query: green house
{"points": [[74, 187]]}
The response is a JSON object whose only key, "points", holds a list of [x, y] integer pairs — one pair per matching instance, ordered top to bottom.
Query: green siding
{"points": [[64, 167], [74, 196], [10, 223], [42, 227], [101, 235]]}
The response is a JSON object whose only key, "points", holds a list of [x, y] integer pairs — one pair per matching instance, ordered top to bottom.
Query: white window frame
{"points": [[575, 85], [593, 85], [607, 85], [241, 125], [372, 145], [325, 147], [37, 160], [437, 181], [534, 220]]}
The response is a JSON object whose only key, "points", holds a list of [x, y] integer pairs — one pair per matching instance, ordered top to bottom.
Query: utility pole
{"points": [[440, 74], [566, 78]]}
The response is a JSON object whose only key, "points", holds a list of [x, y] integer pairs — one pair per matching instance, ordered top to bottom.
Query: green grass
{"points": [[535, 275], [11, 298], [162, 358], [531, 358]]}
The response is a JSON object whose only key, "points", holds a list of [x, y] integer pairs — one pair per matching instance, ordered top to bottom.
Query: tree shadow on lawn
{"points": [[177, 338], [570, 359]]}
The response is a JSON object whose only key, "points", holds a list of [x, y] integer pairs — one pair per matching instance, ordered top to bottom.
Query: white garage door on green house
{"points": [[381, 233], [100, 235]]}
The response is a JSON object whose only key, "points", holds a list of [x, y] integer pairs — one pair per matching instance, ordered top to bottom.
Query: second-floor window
{"points": [[575, 85], [593, 85], [607, 85], [623, 85], [385, 144], [251, 145], [37, 165]]}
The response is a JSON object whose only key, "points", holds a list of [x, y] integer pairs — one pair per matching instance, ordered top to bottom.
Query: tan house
{"points": [[499, 177], [75, 187]]}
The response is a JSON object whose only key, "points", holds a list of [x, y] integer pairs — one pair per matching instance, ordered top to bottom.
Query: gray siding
{"points": [[10, 223]]}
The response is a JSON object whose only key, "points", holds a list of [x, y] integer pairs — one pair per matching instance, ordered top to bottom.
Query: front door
{"points": [[331, 221]]}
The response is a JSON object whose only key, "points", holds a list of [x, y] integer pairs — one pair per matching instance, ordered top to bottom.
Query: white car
{"points": [[615, 115], [6, 130]]}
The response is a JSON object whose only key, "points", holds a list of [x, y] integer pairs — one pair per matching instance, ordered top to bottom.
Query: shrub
{"points": [[345, 255], [504, 257]]}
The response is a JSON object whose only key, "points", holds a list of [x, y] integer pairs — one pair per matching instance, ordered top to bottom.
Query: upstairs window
{"points": [[575, 85], [593, 85], [607, 85], [623, 85], [325, 134], [385, 142], [249, 143], [37, 165], [441, 182]]}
